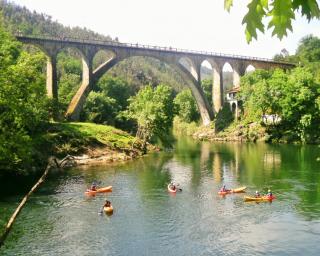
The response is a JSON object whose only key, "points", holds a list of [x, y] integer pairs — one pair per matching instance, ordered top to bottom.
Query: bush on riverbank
{"points": [[183, 128], [77, 138], [62, 139]]}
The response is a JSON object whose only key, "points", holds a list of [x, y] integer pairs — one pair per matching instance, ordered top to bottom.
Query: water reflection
{"points": [[289, 170], [150, 221]]}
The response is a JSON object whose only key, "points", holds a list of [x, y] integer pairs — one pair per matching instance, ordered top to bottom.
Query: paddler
{"points": [[93, 186], [172, 186], [223, 189], [269, 193], [107, 204]]}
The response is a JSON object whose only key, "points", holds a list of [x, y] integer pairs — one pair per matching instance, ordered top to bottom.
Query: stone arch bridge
{"points": [[176, 58]]}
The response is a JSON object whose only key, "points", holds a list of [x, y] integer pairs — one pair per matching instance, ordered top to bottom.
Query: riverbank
{"points": [[236, 132], [84, 143], [88, 143]]}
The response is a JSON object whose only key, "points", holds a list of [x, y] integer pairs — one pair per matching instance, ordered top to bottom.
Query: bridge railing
{"points": [[148, 47]]}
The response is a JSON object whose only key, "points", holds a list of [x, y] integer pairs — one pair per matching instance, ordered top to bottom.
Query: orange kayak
{"points": [[99, 190], [230, 191], [258, 199]]}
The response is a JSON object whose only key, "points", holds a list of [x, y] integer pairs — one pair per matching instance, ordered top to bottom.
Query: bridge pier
{"points": [[52, 83], [217, 88], [77, 102]]}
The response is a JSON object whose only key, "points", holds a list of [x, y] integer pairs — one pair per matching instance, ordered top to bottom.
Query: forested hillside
{"points": [[137, 71]]}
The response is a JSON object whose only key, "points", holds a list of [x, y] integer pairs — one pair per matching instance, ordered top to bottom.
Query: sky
{"points": [[194, 25]]}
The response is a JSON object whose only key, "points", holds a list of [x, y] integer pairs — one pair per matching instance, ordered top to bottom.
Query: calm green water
{"points": [[60, 220]]}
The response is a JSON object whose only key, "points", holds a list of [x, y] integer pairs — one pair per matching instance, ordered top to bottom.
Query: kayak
{"points": [[99, 190], [172, 190], [230, 191], [258, 199], [108, 210]]}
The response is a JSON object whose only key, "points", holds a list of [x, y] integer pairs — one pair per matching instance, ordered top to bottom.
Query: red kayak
{"points": [[172, 190], [90, 192]]}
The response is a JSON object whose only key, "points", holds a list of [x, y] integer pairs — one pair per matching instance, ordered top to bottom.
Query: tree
{"points": [[282, 12], [309, 49], [308, 54], [117, 89], [294, 96], [23, 103], [106, 103], [186, 106], [100, 108], [152, 109]]}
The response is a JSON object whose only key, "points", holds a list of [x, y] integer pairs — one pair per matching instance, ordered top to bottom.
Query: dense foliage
{"points": [[280, 12], [20, 20], [308, 54], [293, 97], [289, 99], [105, 104], [186, 106], [24, 107], [152, 109]]}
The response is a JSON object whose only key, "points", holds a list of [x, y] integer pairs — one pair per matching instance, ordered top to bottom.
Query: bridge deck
{"points": [[137, 46]]}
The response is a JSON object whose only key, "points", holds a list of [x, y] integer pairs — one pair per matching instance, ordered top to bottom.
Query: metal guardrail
{"points": [[149, 47]]}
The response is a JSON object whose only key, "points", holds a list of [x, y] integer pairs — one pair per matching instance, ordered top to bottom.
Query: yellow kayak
{"points": [[229, 191], [258, 199], [108, 210]]}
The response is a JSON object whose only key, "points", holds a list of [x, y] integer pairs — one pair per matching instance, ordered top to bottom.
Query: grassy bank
{"points": [[64, 139]]}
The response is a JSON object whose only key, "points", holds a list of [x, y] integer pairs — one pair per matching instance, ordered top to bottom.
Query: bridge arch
{"points": [[100, 56], [190, 66], [51, 68], [250, 68], [228, 75], [206, 80], [78, 100]]}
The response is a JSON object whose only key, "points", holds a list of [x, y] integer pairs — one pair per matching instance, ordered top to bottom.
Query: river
{"points": [[147, 220]]}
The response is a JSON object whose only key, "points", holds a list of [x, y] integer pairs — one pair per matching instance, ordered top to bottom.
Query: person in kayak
{"points": [[93, 186], [172, 186], [223, 189], [257, 194], [269, 194], [107, 203]]}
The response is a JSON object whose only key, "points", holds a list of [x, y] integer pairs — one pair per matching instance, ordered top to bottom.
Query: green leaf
{"points": [[228, 4], [309, 8], [282, 14], [253, 19]]}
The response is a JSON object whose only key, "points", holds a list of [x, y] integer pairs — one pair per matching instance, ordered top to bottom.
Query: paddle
{"points": [[177, 185], [101, 211]]}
